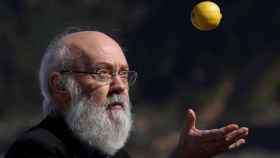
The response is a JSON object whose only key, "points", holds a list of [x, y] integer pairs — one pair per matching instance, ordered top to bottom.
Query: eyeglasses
{"points": [[106, 76]]}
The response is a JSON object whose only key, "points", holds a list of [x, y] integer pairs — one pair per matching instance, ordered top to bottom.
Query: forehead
{"points": [[94, 48]]}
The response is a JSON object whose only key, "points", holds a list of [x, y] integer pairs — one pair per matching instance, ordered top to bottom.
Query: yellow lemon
{"points": [[206, 16]]}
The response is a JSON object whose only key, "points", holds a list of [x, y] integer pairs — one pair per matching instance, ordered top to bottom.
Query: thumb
{"points": [[190, 120]]}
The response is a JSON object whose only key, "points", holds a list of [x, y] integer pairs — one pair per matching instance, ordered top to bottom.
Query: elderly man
{"points": [[85, 81]]}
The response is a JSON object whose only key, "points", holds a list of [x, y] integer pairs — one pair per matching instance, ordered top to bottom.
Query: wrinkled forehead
{"points": [[90, 49]]}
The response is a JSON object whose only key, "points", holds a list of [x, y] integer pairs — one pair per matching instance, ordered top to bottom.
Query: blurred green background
{"points": [[230, 74]]}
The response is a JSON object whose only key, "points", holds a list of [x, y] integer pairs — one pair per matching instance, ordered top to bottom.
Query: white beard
{"points": [[106, 130]]}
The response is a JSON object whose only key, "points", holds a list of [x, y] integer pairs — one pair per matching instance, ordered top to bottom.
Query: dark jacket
{"points": [[52, 138]]}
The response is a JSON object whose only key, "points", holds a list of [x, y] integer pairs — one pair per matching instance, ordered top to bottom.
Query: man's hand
{"points": [[196, 143]]}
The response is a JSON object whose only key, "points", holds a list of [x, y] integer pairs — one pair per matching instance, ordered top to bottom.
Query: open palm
{"points": [[196, 143]]}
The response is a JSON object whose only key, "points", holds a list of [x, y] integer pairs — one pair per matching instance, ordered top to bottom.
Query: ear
{"points": [[56, 83], [57, 89]]}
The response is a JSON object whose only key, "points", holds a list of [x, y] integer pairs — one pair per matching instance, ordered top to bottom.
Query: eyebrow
{"points": [[108, 66]]}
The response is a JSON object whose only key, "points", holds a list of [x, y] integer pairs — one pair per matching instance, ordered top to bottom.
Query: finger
{"points": [[190, 120], [230, 128], [221, 131], [218, 134], [237, 134], [235, 137], [220, 144], [237, 144], [222, 148]]}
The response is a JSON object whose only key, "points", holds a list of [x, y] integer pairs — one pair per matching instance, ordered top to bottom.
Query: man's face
{"points": [[95, 52], [99, 112]]}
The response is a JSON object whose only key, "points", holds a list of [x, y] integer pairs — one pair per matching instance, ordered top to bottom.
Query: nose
{"points": [[117, 86]]}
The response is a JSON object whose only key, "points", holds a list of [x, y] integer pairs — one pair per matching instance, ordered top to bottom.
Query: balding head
{"points": [[89, 38], [87, 47]]}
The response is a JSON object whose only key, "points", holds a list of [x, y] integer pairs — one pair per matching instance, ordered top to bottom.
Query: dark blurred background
{"points": [[230, 74]]}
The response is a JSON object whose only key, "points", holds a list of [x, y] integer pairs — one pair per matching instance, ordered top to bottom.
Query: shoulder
{"points": [[37, 142]]}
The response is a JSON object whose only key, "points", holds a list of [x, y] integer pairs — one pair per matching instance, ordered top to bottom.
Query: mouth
{"points": [[115, 106]]}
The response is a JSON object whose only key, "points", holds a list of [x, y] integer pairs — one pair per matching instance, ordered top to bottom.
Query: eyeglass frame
{"points": [[113, 74]]}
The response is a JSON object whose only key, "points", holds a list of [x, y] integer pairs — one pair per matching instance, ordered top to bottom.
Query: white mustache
{"points": [[116, 98]]}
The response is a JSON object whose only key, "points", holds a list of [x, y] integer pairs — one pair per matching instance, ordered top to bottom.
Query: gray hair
{"points": [[56, 57]]}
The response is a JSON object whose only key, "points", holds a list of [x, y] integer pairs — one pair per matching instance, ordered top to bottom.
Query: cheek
{"points": [[94, 91], [99, 95]]}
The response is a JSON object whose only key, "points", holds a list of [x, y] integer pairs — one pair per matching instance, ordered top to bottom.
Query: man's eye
{"points": [[103, 73], [123, 73]]}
